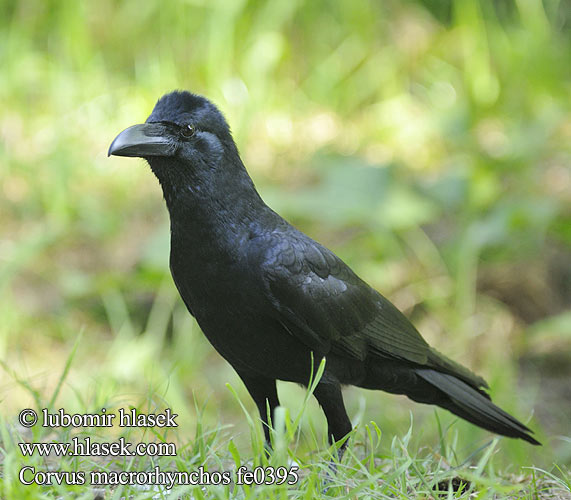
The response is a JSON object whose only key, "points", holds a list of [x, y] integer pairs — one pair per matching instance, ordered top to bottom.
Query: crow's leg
{"points": [[264, 393], [331, 400]]}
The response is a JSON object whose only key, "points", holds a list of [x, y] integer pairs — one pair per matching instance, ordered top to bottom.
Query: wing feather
{"points": [[313, 289], [320, 300]]}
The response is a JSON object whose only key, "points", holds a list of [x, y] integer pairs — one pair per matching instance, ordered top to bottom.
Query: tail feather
{"points": [[441, 363], [469, 404]]}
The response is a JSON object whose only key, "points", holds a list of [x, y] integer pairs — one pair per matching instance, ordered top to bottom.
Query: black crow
{"points": [[269, 298]]}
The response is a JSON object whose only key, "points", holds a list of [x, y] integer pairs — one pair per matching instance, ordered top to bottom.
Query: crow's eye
{"points": [[188, 131]]}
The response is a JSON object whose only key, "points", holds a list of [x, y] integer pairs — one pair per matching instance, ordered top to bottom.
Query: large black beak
{"points": [[147, 139]]}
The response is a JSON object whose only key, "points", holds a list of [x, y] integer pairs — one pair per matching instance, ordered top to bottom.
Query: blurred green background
{"points": [[426, 143]]}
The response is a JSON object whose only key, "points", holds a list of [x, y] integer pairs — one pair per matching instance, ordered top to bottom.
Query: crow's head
{"points": [[183, 127], [188, 145]]}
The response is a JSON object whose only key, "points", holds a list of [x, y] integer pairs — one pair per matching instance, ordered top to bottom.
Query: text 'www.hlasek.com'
{"points": [[87, 447]]}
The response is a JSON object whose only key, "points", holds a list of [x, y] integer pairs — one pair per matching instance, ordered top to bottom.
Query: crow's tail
{"points": [[470, 404]]}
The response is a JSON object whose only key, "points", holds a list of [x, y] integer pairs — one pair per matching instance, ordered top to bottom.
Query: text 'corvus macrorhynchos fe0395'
{"points": [[267, 296]]}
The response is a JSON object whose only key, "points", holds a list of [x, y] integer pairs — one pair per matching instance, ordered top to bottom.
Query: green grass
{"points": [[427, 143], [374, 465]]}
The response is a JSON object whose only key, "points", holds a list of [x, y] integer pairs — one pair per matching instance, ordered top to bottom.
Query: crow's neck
{"points": [[214, 207]]}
